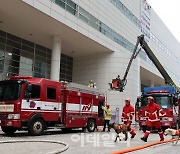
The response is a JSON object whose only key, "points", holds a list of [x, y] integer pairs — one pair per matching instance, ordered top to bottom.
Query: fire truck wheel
{"points": [[91, 125], [36, 127], [8, 130]]}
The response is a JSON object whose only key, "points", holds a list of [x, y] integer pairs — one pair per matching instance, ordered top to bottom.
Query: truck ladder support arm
{"points": [[135, 52], [151, 55], [154, 59]]}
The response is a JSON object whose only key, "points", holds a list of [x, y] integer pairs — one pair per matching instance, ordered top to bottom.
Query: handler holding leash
{"points": [[108, 115], [127, 115], [153, 120]]}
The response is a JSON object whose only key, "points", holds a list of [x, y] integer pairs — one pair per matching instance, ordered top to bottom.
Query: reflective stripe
{"points": [[43, 105], [146, 112], [154, 112], [127, 119], [154, 120]]}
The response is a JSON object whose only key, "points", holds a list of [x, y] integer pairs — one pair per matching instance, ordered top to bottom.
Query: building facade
{"points": [[82, 40]]}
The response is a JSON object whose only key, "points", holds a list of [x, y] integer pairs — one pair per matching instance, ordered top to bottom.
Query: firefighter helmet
{"points": [[150, 97], [127, 99]]}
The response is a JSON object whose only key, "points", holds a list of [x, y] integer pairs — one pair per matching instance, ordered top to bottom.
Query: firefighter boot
{"points": [[133, 133], [145, 136], [161, 136], [144, 139]]}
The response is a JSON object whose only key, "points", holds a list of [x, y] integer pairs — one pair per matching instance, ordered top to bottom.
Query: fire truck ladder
{"points": [[151, 55], [84, 89]]}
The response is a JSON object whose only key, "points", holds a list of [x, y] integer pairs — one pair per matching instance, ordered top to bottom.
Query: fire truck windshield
{"points": [[10, 90], [163, 101]]}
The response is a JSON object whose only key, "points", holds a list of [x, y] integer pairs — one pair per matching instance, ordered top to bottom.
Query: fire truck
{"points": [[166, 96], [36, 104]]}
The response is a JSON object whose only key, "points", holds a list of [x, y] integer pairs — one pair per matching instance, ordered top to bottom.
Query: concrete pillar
{"points": [[56, 58]]}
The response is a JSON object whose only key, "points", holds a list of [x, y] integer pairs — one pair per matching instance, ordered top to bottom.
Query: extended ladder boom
{"points": [[151, 55], [156, 62]]}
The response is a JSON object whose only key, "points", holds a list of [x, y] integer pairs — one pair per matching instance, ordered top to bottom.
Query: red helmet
{"points": [[150, 97], [127, 99]]}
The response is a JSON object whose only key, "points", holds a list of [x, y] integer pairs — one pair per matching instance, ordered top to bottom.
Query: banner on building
{"points": [[145, 19]]}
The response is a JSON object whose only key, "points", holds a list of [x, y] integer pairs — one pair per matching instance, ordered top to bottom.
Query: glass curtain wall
{"points": [[21, 57], [66, 68]]}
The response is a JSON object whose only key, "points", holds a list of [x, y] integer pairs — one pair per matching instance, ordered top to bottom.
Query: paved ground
{"points": [[79, 142]]}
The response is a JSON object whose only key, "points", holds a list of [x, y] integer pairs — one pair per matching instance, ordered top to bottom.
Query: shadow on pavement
{"points": [[48, 132]]}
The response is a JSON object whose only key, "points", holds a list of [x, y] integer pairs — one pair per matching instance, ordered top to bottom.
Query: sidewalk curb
{"points": [[141, 147]]}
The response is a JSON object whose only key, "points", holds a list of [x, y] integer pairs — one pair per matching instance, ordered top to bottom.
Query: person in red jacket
{"points": [[127, 116], [153, 120]]}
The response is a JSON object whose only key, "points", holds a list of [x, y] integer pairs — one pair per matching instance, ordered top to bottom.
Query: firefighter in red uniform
{"points": [[127, 116], [153, 120]]}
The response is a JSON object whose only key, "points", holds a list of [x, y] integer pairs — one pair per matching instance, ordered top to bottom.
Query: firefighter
{"points": [[118, 77], [119, 81], [91, 84], [94, 85], [108, 115], [127, 116], [153, 120]]}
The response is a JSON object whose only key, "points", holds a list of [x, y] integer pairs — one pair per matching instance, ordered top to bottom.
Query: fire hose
{"points": [[66, 146]]}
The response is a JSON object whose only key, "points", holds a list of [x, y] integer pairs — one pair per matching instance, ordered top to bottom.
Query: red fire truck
{"points": [[36, 104]]}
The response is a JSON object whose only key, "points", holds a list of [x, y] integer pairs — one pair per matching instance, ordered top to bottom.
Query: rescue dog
{"points": [[119, 128], [174, 133]]}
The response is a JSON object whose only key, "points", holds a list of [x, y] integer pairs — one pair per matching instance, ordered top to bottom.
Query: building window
{"points": [[60, 3], [120, 6], [71, 7], [83, 15], [93, 22], [66, 68], [35, 93]]}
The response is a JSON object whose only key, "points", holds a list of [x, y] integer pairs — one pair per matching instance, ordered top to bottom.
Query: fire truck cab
{"points": [[36, 104]]}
